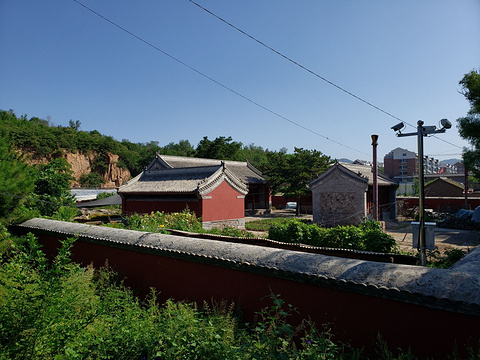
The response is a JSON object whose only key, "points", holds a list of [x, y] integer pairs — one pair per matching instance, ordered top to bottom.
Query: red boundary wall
{"points": [[441, 204], [356, 316]]}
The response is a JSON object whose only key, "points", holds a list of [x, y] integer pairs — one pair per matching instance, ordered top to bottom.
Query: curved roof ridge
{"points": [[222, 173]]}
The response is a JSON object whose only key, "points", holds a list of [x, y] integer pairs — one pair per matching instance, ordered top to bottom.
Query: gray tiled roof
{"points": [[242, 169], [366, 172], [182, 180]]}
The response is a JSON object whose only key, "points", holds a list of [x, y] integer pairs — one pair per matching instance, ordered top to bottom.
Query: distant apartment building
{"points": [[400, 164], [431, 165]]}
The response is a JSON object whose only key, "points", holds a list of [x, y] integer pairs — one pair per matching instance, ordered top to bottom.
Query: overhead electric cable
{"points": [[295, 62], [308, 70], [213, 80]]}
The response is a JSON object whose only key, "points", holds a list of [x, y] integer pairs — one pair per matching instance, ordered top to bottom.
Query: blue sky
{"points": [[59, 61]]}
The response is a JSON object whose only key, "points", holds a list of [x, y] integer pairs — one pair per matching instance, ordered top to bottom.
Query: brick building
{"points": [[401, 164]]}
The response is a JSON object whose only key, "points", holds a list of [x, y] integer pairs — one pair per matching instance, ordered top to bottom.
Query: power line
{"points": [[296, 63], [309, 70], [215, 81]]}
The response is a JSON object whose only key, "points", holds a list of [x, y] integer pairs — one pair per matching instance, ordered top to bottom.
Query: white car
{"points": [[291, 206]]}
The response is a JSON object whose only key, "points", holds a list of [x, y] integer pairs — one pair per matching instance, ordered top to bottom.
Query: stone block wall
{"points": [[339, 200]]}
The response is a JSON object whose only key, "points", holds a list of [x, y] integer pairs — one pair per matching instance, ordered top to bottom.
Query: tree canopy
{"points": [[469, 126], [45, 140], [220, 148], [290, 173], [16, 182]]}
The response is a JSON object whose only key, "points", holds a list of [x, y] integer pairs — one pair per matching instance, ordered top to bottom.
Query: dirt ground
{"points": [[402, 233]]}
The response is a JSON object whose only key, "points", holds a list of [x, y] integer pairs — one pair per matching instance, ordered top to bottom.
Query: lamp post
{"points": [[421, 132]]}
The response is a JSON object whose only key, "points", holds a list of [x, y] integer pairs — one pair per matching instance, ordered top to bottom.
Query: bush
{"points": [[91, 180], [105, 195], [65, 213], [159, 221], [184, 221], [368, 236], [446, 260]]}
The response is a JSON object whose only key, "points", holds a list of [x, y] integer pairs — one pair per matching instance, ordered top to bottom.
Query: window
{"points": [[403, 161], [403, 167]]}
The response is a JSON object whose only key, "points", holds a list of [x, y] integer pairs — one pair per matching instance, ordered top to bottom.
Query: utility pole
{"points": [[420, 133], [465, 182], [421, 197]]}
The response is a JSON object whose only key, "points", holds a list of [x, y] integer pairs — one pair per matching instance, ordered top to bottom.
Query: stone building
{"points": [[343, 195]]}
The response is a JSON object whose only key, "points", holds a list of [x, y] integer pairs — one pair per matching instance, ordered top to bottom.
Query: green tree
{"points": [[75, 125], [469, 126], [182, 148], [221, 148], [256, 155], [290, 173], [16, 183], [52, 186]]}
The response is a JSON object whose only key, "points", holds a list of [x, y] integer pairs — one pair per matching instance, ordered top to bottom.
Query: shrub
{"points": [[91, 180], [104, 195], [65, 213], [184, 221], [367, 236], [447, 260]]}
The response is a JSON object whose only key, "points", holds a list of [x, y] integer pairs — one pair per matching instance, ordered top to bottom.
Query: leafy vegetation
{"points": [[469, 126], [44, 140], [290, 173], [91, 180], [16, 181], [52, 186], [28, 191], [104, 195], [186, 220], [265, 224], [368, 236], [446, 260], [60, 310]]}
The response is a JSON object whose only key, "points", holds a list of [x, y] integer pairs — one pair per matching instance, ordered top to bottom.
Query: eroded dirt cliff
{"points": [[82, 164]]}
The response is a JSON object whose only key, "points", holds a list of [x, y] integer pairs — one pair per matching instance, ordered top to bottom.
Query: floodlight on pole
{"points": [[420, 133]]}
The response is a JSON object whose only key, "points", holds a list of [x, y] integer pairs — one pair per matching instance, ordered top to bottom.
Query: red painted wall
{"points": [[225, 203], [441, 204], [130, 207], [355, 319]]}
